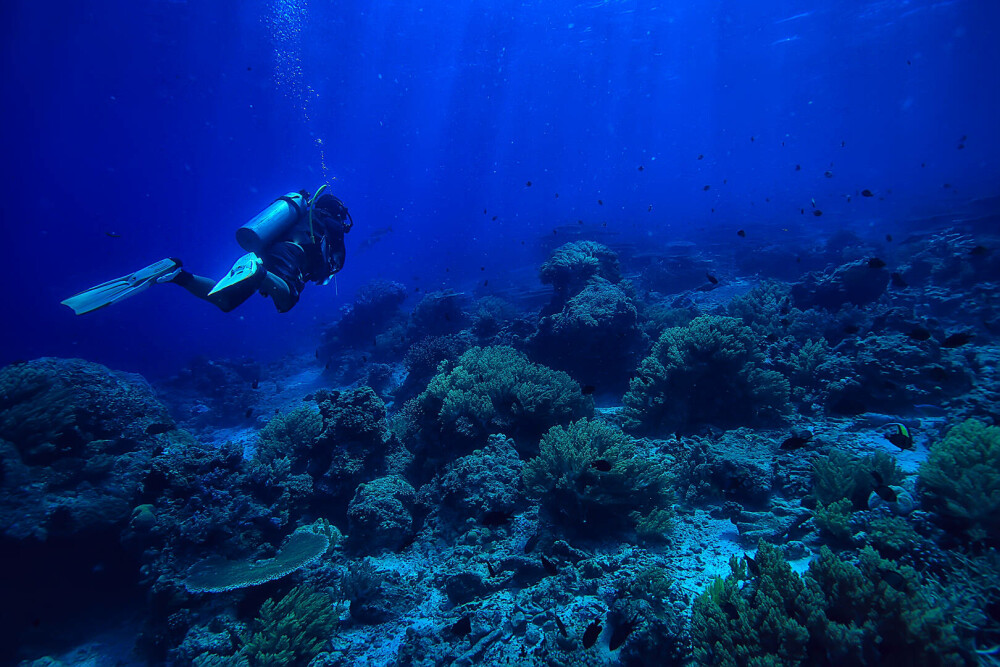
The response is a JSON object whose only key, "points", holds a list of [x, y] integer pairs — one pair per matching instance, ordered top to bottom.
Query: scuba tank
{"points": [[268, 225]]}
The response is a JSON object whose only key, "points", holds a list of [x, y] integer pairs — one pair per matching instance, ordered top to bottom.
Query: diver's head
{"points": [[335, 208]]}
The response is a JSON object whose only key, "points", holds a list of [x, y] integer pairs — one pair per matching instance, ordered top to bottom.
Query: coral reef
{"points": [[572, 266], [859, 283], [709, 372], [490, 390], [75, 440], [593, 479], [961, 479], [380, 515]]}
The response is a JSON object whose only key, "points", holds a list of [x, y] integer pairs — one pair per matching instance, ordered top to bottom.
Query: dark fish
{"points": [[751, 139], [842, 144], [701, 157], [640, 167], [798, 167], [828, 174], [527, 184], [706, 187], [867, 193], [557, 195], [600, 202], [650, 208], [484, 211], [817, 213], [494, 217], [742, 234], [113, 235], [888, 237], [979, 251], [876, 263], [482, 268], [712, 279], [897, 281], [486, 283], [851, 329], [919, 333], [958, 339], [317, 354], [255, 384], [588, 389], [249, 412], [156, 428], [899, 436], [795, 441], [602, 465], [886, 493], [495, 518], [529, 546], [549, 566], [489, 567], [753, 569], [894, 579], [560, 625], [462, 627], [621, 633], [591, 634]]}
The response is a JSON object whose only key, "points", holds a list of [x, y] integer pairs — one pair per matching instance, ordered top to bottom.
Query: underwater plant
{"points": [[709, 372], [593, 479], [961, 479]]}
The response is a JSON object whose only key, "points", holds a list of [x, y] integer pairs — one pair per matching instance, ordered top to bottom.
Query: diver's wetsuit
{"points": [[302, 255]]}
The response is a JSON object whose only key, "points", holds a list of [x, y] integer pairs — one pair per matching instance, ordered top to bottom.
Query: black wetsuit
{"points": [[311, 250]]}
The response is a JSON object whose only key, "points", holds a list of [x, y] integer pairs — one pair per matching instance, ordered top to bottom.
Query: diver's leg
{"points": [[201, 286], [284, 297]]}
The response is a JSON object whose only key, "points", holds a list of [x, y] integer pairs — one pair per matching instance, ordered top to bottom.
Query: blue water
{"points": [[172, 123], [706, 140]]}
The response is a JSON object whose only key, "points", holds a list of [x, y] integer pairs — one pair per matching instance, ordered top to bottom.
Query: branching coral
{"points": [[708, 372], [592, 478], [290, 631]]}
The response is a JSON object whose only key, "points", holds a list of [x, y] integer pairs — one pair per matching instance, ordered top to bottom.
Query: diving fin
{"points": [[244, 278], [118, 289]]}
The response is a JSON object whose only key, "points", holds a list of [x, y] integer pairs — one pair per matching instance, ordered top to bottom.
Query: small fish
{"points": [[751, 139], [842, 144], [701, 157], [640, 167], [798, 167], [828, 174], [527, 184], [706, 187], [557, 195], [600, 202], [650, 208], [484, 211], [817, 213], [494, 218], [742, 234], [113, 235], [888, 237], [979, 251], [876, 263], [712, 279], [897, 281], [486, 283], [851, 329], [919, 333], [958, 339], [255, 384], [249, 412], [156, 428], [899, 436], [795, 441], [601, 465], [886, 493], [495, 518], [529, 546], [549, 566], [489, 568], [753, 569], [894, 579], [560, 625], [462, 626], [621, 633], [591, 634]]}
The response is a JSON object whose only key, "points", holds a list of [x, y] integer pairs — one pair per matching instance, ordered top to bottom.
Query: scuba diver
{"points": [[296, 239]]}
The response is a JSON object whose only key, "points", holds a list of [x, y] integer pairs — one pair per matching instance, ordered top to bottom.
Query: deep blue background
{"points": [[170, 124]]}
